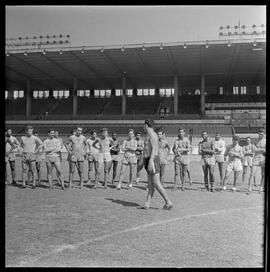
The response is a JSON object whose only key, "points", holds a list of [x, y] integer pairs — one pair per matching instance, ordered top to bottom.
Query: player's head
{"points": [[149, 124], [29, 130], [78, 131], [8, 132], [104, 132], [181, 132], [51, 133], [56, 133], [130, 133], [261, 133], [93, 134], [160, 134], [114, 135], [138, 135], [204, 135], [218, 136], [235, 139], [248, 139]]}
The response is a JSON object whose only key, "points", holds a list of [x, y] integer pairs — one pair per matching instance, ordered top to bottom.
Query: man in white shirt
{"points": [[30, 147], [220, 148], [52, 149], [248, 156]]}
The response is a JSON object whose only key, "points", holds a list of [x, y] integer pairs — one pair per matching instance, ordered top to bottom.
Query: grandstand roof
{"points": [[150, 68]]}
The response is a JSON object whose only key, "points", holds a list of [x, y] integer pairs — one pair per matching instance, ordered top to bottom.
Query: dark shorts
{"points": [[156, 164]]}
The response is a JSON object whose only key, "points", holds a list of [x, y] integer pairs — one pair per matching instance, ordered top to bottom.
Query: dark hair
{"points": [[149, 123], [29, 127], [51, 129], [104, 129], [182, 129], [131, 130], [262, 130], [71, 131], [92, 132], [137, 132], [204, 132], [114, 133], [248, 137], [236, 138]]}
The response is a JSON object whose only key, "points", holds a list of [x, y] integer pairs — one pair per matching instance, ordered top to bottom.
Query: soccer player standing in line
{"points": [[104, 143], [12, 144], [31, 145], [76, 145], [181, 147], [220, 148], [52, 149], [115, 149], [206, 149], [259, 149], [11, 151], [164, 152], [235, 153], [139, 155], [248, 155], [93, 157], [130, 159], [38, 161], [152, 166]]}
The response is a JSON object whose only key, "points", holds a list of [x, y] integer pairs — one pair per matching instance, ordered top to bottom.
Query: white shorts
{"points": [[105, 157], [259, 160], [247, 161], [235, 165]]}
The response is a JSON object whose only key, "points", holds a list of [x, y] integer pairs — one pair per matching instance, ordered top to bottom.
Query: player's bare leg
{"points": [[97, 165], [57, 166], [107, 167], [90, 168], [123, 170], [254, 170], [177, 171], [221, 171], [13, 172], [38, 172], [71, 172], [80, 172], [34, 173], [49, 173], [237, 174], [226, 177], [262, 178], [212, 179], [156, 182], [150, 191]]}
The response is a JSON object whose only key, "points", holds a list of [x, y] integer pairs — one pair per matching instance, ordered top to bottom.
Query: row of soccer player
{"points": [[104, 151]]}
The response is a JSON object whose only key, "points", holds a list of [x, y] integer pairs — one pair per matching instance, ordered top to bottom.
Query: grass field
{"points": [[94, 228]]}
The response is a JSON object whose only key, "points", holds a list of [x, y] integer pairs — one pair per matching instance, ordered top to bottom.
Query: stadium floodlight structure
{"points": [[242, 31], [41, 42]]}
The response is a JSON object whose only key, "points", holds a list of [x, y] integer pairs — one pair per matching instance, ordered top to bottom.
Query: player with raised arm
{"points": [[104, 143], [76, 146], [30, 147], [129, 147], [52, 148], [181, 148], [220, 148], [206, 149], [259, 149], [11, 151], [164, 153], [235, 153], [139, 155], [248, 156], [93, 157], [152, 166]]}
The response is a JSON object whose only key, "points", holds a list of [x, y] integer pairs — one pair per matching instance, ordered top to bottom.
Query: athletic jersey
{"points": [[61, 142], [29, 143], [130, 143], [140, 143], [77, 144], [105, 144], [179, 144], [260, 144], [8, 146], [220, 146], [52, 147], [90, 148], [205, 148], [236, 149], [115, 150], [163, 150], [247, 150]]}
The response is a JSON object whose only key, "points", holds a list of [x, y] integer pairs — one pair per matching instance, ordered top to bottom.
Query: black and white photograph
{"points": [[135, 136]]}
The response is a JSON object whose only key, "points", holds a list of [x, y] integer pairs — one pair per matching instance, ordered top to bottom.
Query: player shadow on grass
{"points": [[123, 202]]}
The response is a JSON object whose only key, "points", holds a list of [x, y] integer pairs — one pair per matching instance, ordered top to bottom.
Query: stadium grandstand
{"points": [[216, 85]]}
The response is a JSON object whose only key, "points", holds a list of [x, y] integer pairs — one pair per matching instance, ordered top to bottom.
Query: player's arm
{"points": [[94, 144], [40, 145], [68, 145], [154, 145], [167, 146], [132, 148], [140, 148], [187, 148], [199, 148], [174, 149]]}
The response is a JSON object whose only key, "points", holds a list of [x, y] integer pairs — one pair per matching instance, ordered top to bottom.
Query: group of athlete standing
{"points": [[152, 153]]}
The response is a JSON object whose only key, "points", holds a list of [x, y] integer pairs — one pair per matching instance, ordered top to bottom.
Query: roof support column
{"points": [[176, 87], [202, 95], [124, 96], [28, 98], [75, 98]]}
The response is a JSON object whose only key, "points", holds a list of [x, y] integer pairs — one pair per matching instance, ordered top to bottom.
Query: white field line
{"points": [[91, 240]]}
